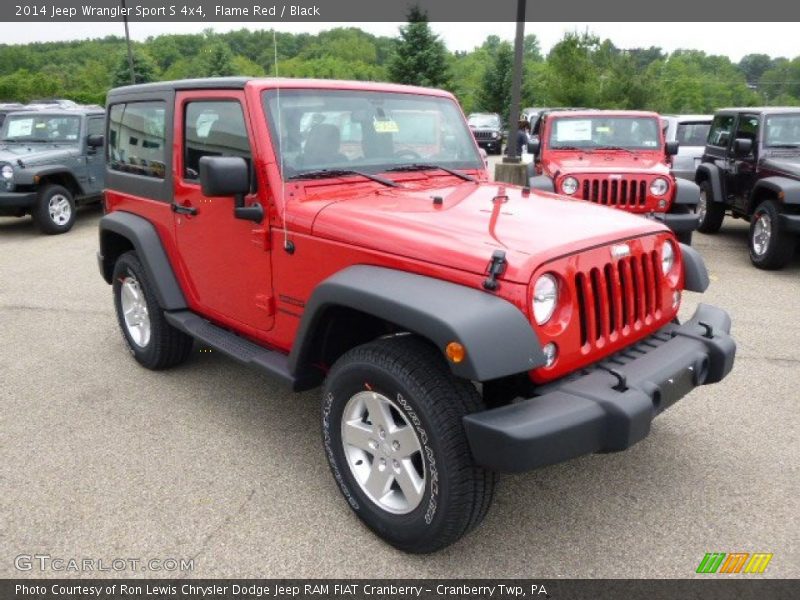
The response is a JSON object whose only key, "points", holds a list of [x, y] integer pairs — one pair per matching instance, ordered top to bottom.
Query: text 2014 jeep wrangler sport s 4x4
{"points": [[614, 158], [345, 234]]}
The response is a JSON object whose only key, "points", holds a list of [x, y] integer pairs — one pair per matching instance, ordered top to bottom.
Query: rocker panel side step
{"points": [[244, 351]]}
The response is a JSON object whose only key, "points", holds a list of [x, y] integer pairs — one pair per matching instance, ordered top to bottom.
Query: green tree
{"points": [[420, 57], [218, 61], [754, 65], [143, 67], [572, 75], [495, 90]]}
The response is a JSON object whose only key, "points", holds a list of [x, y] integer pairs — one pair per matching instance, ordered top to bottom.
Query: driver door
{"points": [[226, 260]]}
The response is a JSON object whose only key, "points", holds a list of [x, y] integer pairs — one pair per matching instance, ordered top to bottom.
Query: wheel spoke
{"points": [[379, 413], [358, 435], [407, 438], [379, 480], [411, 484]]}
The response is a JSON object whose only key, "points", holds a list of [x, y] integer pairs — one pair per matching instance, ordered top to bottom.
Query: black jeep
{"points": [[751, 170]]}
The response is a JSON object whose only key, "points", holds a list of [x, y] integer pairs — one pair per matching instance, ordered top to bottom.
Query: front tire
{"points": [[54, 212], [710, 212], [770, 247], [153, 342], [393, 435]]}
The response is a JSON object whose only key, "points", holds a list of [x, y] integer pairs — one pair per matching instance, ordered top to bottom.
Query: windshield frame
{"points": [[448, 110], [5, 138], [571, 145]]}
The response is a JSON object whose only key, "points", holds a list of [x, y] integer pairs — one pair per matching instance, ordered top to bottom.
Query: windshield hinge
{"points": [[497, 265]]}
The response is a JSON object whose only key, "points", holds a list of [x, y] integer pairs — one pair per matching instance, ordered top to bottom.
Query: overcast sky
{"points": [[731, 39]]}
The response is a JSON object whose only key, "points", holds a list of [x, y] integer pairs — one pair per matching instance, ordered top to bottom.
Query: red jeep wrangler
{"points": [[614, 158], [344, 234]]}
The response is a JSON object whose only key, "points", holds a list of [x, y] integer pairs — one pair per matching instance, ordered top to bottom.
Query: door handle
{"points": [[183, 210]]}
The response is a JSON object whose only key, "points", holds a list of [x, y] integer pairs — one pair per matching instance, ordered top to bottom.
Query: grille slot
{"points": [[613, 192], [618, 297]]}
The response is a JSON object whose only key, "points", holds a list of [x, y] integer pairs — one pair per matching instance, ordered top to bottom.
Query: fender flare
{"points": [[710, 172], [543, 183], [788, 190], [686, 192], [145, 240], [695, 274], [498, 338]]}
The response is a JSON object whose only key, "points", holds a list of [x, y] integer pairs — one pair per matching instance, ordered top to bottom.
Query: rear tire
{"points": [[54, 211], [710, 211], [770, 247], [153, 342], [393, 435]]}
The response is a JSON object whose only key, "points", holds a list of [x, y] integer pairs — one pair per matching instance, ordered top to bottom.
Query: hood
{"points": [[34, 153], [599, 161], [787, 165], [469, 224]]}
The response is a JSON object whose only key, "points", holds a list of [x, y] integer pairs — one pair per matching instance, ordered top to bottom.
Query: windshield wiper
{"points": [[784, 146], [571, 148], [614, 148], [427, 167], [324, 173]]}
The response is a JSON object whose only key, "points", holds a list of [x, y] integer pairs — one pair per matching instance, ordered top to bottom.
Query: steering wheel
{"points": [[407, 154]]}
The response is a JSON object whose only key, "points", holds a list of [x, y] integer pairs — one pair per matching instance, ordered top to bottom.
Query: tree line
{"points": [[580, 70]]}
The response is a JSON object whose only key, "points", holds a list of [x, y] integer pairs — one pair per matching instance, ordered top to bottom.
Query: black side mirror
{"points": [[96, 140], [534, 146], [742, 146], [671, 147], [229, 176]]}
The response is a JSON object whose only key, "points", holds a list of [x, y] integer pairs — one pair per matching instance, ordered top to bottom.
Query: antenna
{"points": [[287, 245]]}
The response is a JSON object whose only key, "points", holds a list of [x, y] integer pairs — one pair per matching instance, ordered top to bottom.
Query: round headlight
{"points": [[495, 135], [7, 172], [569, 186], [659, 186], [667, 257], [545, 298]]}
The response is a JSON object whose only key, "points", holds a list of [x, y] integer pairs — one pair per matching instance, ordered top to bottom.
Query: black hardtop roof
{"points": [[224, 83], [765, 110]]}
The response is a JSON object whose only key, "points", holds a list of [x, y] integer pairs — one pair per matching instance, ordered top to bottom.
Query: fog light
{"points": [[662, 204], [676, 299], [455, 352], [550, 354]]}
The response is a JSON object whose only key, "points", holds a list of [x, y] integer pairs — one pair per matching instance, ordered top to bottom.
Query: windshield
{"points": [[488, 121], [41, 128], [782, 130], [366, 131], [632, 133], [692, 134]]}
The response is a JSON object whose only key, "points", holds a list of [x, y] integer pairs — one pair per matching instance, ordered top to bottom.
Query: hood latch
{"points": [[497, 266]]}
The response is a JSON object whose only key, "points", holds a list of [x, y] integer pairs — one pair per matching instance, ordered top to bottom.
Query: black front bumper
{"points": [[17, 199], [678, 222], [601, 411]]}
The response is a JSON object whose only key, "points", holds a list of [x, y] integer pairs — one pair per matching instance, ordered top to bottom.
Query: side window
{"points": [[95, 126], [748, 127], [213, 128], [721, 128], [136, 138]]}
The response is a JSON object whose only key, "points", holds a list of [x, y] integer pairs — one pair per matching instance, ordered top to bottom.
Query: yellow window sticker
{"points": [[385, 126]]}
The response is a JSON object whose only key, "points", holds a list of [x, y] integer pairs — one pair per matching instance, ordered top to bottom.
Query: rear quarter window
{"points": [[137, 138]]}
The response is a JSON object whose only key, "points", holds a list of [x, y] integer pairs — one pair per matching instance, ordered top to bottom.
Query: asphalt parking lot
{"points": [[100, 458]]}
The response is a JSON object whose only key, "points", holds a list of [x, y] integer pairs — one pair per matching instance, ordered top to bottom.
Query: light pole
{"points": [[128, 43], [511, 169]]}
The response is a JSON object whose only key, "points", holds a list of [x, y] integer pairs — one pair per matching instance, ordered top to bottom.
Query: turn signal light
{"points": [[455, 352]]}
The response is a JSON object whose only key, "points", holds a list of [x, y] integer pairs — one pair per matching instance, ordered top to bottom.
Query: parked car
{"points": [[487, 128], [691, 132], [617, 159], [50, 162], [751, 170], [458, 327]]}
